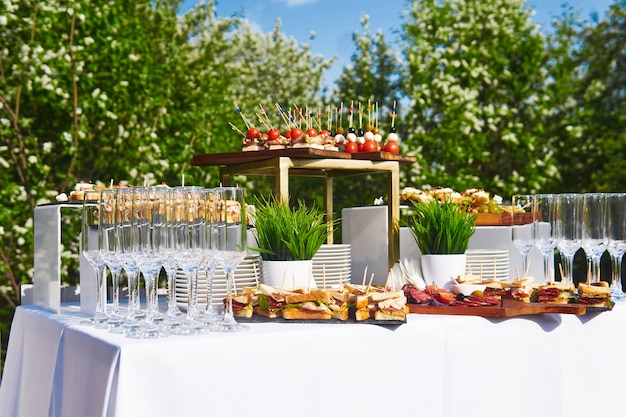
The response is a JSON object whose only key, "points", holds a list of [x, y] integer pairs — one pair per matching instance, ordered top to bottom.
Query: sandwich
{"points": [[520, 289], [556, 293], [597, 294], [271, 301], [339, 303], [242, 305], [310, 305], [390, 305]]}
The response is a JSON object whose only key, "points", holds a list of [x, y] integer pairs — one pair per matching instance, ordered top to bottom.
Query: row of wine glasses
{"points": [[595, 222], [141, 230]]}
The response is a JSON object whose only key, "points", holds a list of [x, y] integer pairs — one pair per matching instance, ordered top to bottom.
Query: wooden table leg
{"points": [[394, 216]]}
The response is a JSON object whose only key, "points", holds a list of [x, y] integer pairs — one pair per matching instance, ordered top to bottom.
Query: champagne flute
{"points": [[522, 217], [147, 223], [108, 229], [190, 229], [568, 231], [616, 233], [545, 236], [126, 240], [594, 240], [91, 244], [230, 244], [170, 264], [211, 315]]}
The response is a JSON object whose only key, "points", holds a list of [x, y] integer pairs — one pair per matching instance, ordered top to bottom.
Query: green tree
{"points": [[476, 82], [128, 91]]}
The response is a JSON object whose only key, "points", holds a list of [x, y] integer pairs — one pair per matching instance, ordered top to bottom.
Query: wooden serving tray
{"points": [[383, 156], [234, 158], [503, 219], [507, 308]]}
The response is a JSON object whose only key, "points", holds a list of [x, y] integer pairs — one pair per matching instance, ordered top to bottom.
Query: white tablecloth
{"points": [[550, 365]]}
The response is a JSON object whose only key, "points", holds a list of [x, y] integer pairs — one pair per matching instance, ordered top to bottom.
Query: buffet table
{"points": [[430, 366]]}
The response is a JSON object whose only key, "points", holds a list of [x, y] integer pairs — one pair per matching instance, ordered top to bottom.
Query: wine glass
{"points": [[522, 217], [147, 222], [190, 229], [545, 231], [568, 231], [616, 234], [126, 240], [594, 240], [91, 244], [230, 244], [108, 251], [170, 263], [211, 316]]}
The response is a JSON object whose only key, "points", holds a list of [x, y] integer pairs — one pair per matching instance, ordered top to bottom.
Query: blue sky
{"points": [[334, 21]]}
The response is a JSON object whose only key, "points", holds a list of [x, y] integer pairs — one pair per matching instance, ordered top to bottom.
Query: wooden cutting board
{"points": [[503, 219], [507, 308]]}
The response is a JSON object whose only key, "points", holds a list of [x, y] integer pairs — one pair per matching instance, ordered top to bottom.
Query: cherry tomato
{"points": [[253, 132], [311, 132], [273, 133], [296, 133], [288, 134], [265, 137], [369, 146], [351, 147], [359, 147], [392, 147]]}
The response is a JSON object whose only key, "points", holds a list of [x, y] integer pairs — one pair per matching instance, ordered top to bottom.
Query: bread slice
{"points": [[298, 314], [362, 314]]}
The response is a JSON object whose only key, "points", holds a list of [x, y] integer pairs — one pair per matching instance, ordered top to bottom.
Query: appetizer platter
{"points": [[301, 128], [518, 297], [348, 303]]}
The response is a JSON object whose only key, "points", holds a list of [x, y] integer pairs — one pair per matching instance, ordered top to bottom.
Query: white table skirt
{"points": [[550, 365]]}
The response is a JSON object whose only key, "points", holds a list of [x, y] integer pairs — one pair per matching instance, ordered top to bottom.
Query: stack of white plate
{"points": [[488, 263], [331, 265], [244, 277]]}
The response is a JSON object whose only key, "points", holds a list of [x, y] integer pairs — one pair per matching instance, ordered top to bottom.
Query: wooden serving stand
{"points": [[310, 162]]}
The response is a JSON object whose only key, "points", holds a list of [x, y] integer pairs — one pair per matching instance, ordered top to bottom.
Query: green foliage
{"points": [[476, 79], [441, 227], [289, 234]]}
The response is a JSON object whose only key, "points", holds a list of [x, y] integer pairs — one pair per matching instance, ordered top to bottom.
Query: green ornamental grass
{"points": [[442, 227], [289, 234]]}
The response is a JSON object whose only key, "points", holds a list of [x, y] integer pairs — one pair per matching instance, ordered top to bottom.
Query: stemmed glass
{"points": [[148, 222], [522, 226], [545, 227], [108, 230], [568, 231], [190, 233], [616, 233], [126, 240], [594, 240], [91, 244], [230, 244], [170, 263], [211, 315]]}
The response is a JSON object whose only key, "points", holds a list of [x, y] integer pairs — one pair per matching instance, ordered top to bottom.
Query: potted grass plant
{"points": [[442, 230], [288, 238]]}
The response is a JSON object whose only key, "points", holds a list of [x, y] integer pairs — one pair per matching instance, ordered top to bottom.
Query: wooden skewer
{"points": [[517, 271], [561, 271], [589, 273], [364, 276], [369, 284]]}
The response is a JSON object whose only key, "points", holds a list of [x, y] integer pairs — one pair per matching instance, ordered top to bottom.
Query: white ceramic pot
{"points": [[441, 269], [289, 274]]}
